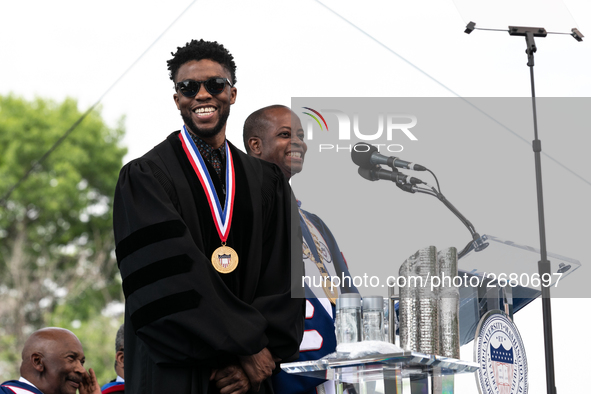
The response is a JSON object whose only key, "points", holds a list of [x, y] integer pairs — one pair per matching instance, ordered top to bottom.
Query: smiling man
{"points": [[275, 134], [204, 247], [53, 363]]}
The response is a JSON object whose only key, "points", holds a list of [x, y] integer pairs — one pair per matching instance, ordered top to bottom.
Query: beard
{"points": [[201, 133]]}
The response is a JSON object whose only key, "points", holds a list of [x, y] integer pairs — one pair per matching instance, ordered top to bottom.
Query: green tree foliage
{"points": [[57, 260]]}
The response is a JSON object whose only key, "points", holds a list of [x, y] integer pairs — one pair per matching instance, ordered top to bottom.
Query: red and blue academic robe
{"points": [[319, 332], [18, 387], [113, 387]]}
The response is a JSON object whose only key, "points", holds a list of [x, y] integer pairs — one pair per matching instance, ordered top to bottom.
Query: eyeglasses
{"points": [[190, 88]]}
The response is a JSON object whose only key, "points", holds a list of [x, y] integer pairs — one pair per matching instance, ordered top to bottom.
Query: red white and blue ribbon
{"points": [[221, 218]]}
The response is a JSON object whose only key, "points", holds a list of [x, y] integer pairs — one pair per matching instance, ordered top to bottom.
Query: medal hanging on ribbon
{"points": [[224, 258], [331, 291]]}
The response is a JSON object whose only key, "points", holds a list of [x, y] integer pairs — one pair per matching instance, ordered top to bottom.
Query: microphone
{"points": [[369, 156], [374, 174]]}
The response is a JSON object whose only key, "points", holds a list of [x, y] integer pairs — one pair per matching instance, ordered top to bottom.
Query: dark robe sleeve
{"points": [[176, 301], [282, 306]]}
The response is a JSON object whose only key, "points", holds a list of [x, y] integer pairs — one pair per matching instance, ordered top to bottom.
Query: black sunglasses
{"points": [[190, 88]]}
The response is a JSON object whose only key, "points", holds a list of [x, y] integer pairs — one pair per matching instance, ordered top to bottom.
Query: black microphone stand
{"points": [[372, 175], [476, 241], [543, 264]]}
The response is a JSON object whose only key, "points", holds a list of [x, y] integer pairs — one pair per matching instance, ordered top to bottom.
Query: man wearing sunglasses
{"points": [[204, 248]]}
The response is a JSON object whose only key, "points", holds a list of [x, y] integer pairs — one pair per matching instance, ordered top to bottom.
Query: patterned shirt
{"points": [[215, 157]]}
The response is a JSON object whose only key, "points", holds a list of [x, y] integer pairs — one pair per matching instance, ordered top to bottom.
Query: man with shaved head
{"points": [[275, 134], [53, 363]]}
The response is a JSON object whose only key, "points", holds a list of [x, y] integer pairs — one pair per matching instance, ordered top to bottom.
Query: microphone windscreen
{"points": [[361, 154], [365, 173]]}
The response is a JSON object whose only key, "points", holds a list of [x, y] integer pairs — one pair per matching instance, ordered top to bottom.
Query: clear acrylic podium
{"points": [[490, 260], [405, 372]]}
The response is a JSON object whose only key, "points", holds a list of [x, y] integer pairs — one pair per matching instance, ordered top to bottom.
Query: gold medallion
{"points": [[224, 259]]}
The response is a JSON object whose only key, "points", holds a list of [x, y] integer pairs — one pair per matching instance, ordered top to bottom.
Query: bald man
{"points": [[275, 134], [53, 363]]}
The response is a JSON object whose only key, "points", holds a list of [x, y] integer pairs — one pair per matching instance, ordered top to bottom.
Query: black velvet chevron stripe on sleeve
{"points": [[149, 235], [157, 270], [164, 306]]}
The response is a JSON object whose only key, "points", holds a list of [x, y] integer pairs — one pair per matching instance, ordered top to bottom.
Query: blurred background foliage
{"points": [[57, 261]]}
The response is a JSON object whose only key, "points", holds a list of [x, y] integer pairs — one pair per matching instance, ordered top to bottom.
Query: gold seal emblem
{"points": [[224, 259]]}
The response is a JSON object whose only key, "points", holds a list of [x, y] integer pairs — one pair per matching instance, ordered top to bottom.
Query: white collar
{"points": [[21, 379]]}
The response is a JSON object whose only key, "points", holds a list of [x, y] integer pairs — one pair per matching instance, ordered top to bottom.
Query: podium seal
{"points": [[499, 351]]}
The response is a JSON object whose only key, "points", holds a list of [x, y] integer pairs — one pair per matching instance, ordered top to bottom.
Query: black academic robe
{"points": [[182, 317]]}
